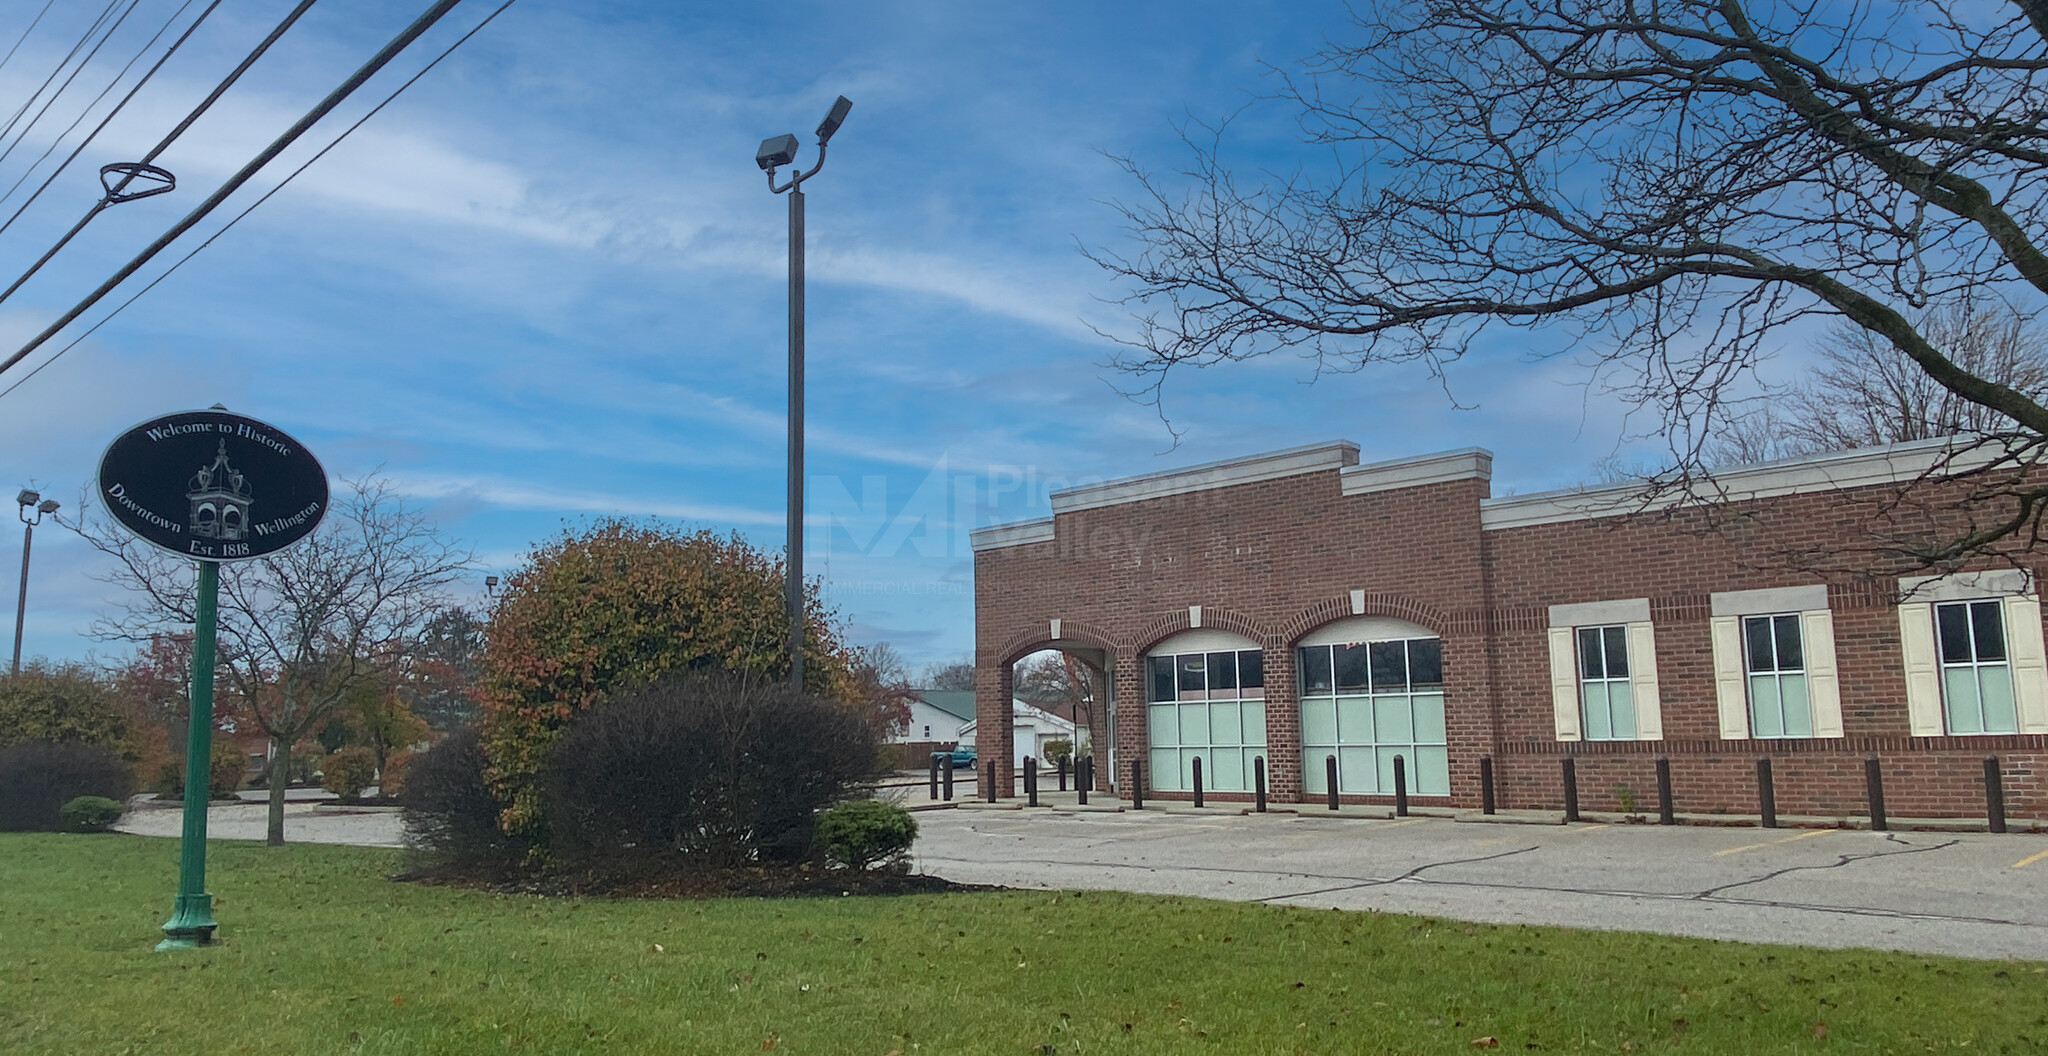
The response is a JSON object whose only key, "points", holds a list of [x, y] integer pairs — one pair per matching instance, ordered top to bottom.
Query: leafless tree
{"points": [[1670, 185], [299, 629], [958, 675]]}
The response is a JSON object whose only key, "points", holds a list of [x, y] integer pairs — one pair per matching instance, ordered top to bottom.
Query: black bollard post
{"points": [[1063, 774], [935, 775], [946, 777], [1084, 778], [1330, 778], [1031, 780], [1198, 780], [1873, 782], [1137, 784], [1259, 784], [1486, 784], [1400, 787], [989, 788], [1571, 789], [1766, 793], [1994, 794], [1666, 812]]}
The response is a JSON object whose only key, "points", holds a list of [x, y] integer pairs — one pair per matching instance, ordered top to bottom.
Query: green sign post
{"points": [[210, 486], [192, 922]]}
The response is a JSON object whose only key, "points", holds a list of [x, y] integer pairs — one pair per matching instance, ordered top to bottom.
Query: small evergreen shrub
{"points": [[1059, 751], [226, 769], [347, 771], [700, 771], [38, 777], [169, 781], [89, 814], [451, 817], [865, 833]]}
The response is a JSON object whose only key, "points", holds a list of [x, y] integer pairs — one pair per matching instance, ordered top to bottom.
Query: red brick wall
{"points": [[1275, 559]]}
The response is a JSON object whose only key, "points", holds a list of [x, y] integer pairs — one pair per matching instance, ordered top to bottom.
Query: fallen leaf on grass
{"points": [[397, 999], [1820, 1031], [1487, 1042]]}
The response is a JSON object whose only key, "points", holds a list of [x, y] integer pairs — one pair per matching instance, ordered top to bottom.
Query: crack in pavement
{"points": [[1838, 863]]}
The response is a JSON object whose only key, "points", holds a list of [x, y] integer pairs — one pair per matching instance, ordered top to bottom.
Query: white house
{"points": [[936, 716], [1032, 729]]}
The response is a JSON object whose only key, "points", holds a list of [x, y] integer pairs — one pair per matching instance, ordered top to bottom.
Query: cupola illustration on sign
{"points": [[220, 500]]}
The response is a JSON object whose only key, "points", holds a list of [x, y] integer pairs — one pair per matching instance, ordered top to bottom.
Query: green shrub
{"points": [[62, 703], [1057, 752], [226, 768], [347, 771], [701, 771], [37, 778], [169, 780], [89, 814], [865, 833]]}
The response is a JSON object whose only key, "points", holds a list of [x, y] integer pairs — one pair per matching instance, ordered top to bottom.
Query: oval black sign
{"points": [[213, 486]]}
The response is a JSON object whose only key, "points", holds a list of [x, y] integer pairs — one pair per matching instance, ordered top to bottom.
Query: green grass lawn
{"points": [[321, 954]]}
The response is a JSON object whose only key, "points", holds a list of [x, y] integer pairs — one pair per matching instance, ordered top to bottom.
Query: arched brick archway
{"points": [[995, 688]]}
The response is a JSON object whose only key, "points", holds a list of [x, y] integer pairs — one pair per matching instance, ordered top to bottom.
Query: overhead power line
{"points": [[24, 33], [82, 64], [355, 80], [111, 85], [8, 129], [114, 191], [252, 206]]}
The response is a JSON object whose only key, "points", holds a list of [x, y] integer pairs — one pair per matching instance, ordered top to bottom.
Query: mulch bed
{"points": [[798, 881]]}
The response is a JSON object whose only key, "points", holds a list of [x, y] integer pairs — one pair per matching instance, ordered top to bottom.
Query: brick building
{"points": [[1295, 606]]}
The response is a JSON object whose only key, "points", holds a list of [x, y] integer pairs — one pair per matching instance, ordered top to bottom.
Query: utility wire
{"points": [[24, 33], [66, 61], [377, 62], [83, 63], [111, 85], [163, 144], [252, 206]]}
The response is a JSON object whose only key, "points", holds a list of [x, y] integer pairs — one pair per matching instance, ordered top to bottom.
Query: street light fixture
{"points": [[773, 154], [30, 501], [491, 586]]}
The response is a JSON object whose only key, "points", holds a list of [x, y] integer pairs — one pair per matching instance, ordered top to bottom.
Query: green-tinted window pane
{"points": [[1953, 621], [1987, 628], [1756, 633], [1616, 650], [1791, 657], [1425, 662], [1590, 665], [1351, 666], [1389, 666], [1251, 669], [1223, 670], [1315, 670], [1994, 686], [1959, 690], [1621, 706], [1766, 710], [1798, 711], [1429, 718], [1164, 720], [1354, 720], [1391, 720], [1319, 721], [1255, 723], [1194, 724], [1224, 727], [1598, 728], [1386, 766], [1187, 768], [1165, 770], [1357, 770], [1432, 771], [1312, 773], [1230, 775]]}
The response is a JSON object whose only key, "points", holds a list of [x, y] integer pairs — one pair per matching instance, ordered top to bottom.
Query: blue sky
{"points": [[546, 285]]}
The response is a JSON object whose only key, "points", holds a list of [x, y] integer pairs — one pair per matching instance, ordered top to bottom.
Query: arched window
{"points": [[1372, 688], [1205, 699]]}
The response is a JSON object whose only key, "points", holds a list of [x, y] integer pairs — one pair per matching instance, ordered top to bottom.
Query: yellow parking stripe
{"points": [[1398, 824], [1595, 827], [1774, 843], [2030, 859]]}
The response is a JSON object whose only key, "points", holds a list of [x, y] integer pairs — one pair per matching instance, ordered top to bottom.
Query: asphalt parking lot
{"points": [[1966, 894]]}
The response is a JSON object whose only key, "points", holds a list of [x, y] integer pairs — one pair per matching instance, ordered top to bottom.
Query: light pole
{"points": [[775, 153], [29, 501]]}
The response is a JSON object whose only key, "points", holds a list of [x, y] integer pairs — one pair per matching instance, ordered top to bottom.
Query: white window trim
{"points": [[1817, 642], [2026, 653], [1642, 672]]}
